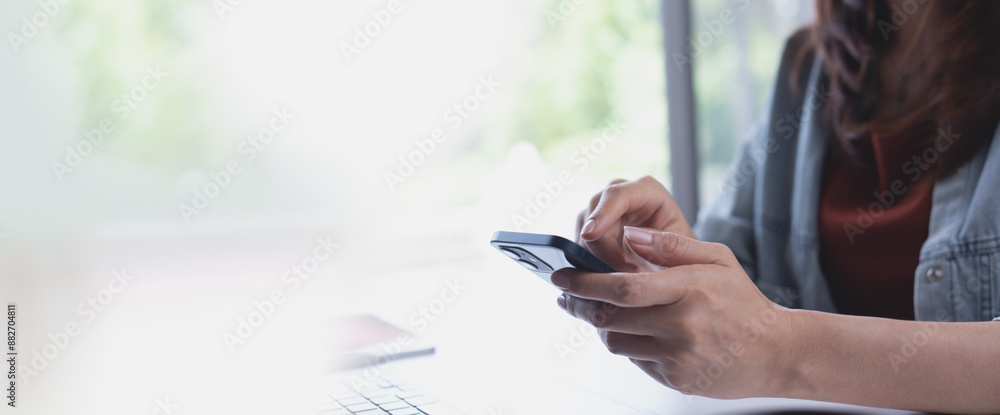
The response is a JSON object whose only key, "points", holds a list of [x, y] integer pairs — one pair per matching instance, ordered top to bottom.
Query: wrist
{"points": [[794, 341]]}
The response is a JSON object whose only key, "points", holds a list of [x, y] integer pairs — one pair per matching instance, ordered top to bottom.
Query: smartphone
{"points": [[544, 254]]}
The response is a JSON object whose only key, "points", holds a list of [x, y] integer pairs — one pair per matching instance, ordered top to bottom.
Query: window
{"points": [[735, 69], [464, 118], [431, 124]]}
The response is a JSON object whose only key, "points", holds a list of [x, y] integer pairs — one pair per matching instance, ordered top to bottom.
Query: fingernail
{"points": [[589, 227], [638, 235], [560, 280], [561, 301]]}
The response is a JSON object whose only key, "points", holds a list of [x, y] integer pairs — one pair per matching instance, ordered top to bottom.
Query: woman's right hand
{"points": [[642, 203]]}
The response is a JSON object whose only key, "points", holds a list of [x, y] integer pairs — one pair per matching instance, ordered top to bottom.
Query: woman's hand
{"points": [[642, 203], [699, 326]]}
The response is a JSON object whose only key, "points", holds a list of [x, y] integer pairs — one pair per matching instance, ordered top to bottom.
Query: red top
{"points": [[873, 219]]}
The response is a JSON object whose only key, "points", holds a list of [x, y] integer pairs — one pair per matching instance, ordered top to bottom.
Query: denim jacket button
{"points": [[934, 274]]}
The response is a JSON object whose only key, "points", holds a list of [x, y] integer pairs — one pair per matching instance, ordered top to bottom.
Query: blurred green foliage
{"points": [[111, 44], [583, 66], [575, 69]]}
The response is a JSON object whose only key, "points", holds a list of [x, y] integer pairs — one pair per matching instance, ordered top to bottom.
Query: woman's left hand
{"points": [[700, 326]]}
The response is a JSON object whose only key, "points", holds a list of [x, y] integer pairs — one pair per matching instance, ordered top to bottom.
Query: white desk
{"points": [[161, 340]]}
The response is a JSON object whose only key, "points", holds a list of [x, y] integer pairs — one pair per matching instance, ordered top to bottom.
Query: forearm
{"points": [[925, 366]]}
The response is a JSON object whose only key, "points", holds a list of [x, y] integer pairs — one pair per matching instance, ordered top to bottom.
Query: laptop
{"points": [[363, 346], [527, 394]]}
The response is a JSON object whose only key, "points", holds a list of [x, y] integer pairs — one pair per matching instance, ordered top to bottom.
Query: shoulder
{"points": [[799, 41], [797, 63], [795, 82]]}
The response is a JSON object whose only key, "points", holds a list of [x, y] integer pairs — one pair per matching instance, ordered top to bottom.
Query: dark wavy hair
{"points": [[960, 89]]}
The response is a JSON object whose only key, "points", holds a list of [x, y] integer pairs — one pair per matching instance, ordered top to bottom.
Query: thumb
{"points": [[669, 249], [635, 262]]}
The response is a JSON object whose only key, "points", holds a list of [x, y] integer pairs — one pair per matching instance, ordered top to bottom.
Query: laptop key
{"points": [[367, 386], [392, 391], [375, 393], [343, 394], [407, 394], [380, 396], [379, 400], [420, 400], [352, 401], [366, 406], [391, 406], [437, 409], [409, 410]]}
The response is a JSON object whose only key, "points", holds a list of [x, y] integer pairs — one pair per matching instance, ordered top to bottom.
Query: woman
{"points": [[869, 207]]}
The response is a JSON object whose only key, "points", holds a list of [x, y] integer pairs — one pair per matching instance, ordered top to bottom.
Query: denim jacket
{"points": [[767, 213]]}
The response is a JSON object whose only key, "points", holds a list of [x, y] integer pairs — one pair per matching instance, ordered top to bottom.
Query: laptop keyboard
{"points": [[379, 397]]}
